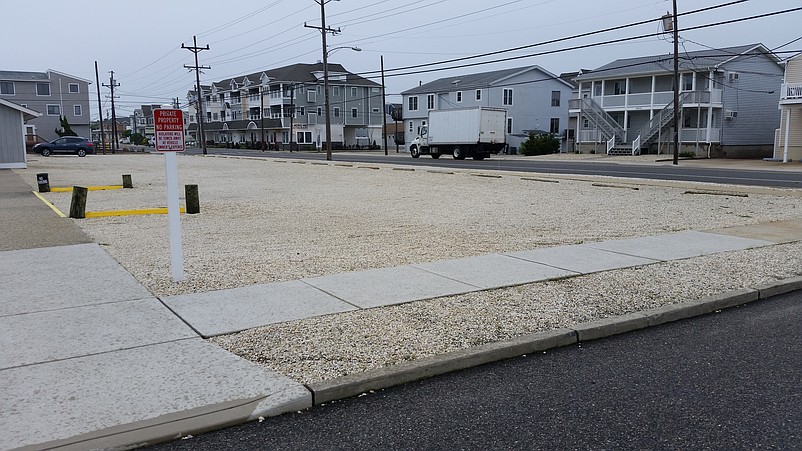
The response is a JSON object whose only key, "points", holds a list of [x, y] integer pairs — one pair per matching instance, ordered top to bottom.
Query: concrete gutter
{"points": [[356, 384]]}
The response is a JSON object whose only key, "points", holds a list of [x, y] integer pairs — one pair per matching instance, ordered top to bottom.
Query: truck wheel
{"points": [[414, 152], [459, 154], [435, 156]]}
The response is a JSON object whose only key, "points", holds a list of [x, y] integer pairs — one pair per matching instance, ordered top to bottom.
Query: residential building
{"points": [[52, 93], [535, 99], [726, 104], [286, 105], [13, 118], [788, 138]]}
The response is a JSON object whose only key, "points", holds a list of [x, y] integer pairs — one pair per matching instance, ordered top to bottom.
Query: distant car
{"points": [[66, 144]]}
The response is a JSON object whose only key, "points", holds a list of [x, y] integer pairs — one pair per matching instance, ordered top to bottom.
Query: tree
{"points": [[65, 129], [541, 144]]}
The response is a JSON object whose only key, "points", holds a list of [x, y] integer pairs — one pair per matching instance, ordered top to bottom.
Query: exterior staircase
{"points": [[650, 132], [613, 133]]}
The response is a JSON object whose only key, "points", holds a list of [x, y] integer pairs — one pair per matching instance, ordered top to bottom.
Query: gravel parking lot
{"points": [[266, 220]]}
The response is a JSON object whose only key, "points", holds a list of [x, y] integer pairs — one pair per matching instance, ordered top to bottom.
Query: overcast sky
{"points": [[141, 41]]}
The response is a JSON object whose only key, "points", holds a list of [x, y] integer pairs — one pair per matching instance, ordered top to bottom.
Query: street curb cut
{"points": [[358, 383]]}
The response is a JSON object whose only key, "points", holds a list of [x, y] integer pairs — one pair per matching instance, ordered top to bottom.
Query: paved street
{"points": [[728, 380]]}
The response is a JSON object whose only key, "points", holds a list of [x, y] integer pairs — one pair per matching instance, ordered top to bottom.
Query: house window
{"points": [[687, 82], [7, 88], [74, 88], [619, 88], [43, 89], [597, 89], [335, 91], [354, 92], [478, 94], [459, 96], [555, 98], [507, 101], [430, 102], [413, 103], [53, 110], [77, 110], [375, 110], [302, 111], [320, 111], [336, 111], [354, 112], [223, 115], [214, 116], [585, 124], [509, 125], [554, 125], [411, 126], [304, 137]]}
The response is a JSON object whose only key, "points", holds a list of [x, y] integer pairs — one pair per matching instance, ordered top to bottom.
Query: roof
{"points": [[701, 60], [295, 73], [13, 75], [16, 75], [476, 81], [27, 113]]}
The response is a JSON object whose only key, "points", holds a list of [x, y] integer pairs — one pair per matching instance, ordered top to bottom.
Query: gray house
{"points": [[54, 94], [535, 99], [728, 104], [286, 105], [12, 134]]}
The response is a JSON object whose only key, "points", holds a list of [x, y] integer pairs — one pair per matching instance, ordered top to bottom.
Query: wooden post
{"points": [[44, 182], [127, 183], [192, 199], [78, 203]]}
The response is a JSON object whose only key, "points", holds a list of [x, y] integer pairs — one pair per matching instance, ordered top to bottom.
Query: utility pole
{"points": [[323, 32], [195, 49], [113, 84], [676, 86], [384, 108], [100, 112], [292, 114], [263, 145]]}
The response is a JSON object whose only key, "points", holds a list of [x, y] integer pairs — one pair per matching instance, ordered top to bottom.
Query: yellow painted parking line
{"points": [[65, 189], [52, 207], [144, 211]]}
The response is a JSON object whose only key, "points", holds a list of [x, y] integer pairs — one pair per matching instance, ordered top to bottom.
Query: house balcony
{"points": [[791, 94], [653, 100], [687, 135]]}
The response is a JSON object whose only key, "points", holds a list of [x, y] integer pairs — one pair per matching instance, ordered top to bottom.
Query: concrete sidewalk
{"points": [[91, 359]]}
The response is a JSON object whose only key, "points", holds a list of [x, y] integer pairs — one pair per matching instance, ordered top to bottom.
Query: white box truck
{"points": [[466, 132]]}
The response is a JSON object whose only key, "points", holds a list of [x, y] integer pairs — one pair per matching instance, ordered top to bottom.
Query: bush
{"points": [[542, 144], [687, 154]]}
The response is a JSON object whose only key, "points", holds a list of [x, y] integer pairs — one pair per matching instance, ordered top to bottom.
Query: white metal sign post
{"points": [[169, 128]]}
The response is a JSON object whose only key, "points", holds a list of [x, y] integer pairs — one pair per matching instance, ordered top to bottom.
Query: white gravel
{"points": [[267, 220]]}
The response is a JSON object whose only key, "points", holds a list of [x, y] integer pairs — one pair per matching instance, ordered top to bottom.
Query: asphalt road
{"points": [[684, 171], [729, 380]]}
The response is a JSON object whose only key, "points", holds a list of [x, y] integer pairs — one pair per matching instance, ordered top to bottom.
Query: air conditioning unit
{"points": [[734, 76], [729, 114]]}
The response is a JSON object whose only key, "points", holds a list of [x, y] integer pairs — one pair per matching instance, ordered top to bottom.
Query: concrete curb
{"points": [[356, 384]]}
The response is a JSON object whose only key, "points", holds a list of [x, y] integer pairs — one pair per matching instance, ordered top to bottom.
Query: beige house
{"points": [[788, 138]]}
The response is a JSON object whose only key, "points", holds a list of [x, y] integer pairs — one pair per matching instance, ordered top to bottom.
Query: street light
{"points": [[323, 31]]}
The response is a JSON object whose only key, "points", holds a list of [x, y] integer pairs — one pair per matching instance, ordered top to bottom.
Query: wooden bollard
{"points": [[44, 182], [127, 183], [192, 199], [78, 203]]}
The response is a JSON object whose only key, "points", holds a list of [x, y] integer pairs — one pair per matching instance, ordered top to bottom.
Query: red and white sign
{"points": [[169, 127]]}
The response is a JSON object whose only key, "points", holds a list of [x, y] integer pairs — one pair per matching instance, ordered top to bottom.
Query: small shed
{"points": [[12, 134]]}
